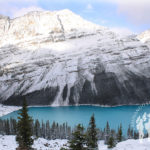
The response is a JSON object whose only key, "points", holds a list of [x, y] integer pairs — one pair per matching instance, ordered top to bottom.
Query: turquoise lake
{"points": [[81, 114]]}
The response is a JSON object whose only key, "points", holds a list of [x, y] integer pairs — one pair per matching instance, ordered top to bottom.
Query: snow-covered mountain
{"points": [[145, 37], [58, 58]]}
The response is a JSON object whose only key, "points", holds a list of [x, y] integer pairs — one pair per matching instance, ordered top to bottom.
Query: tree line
{"points": [[43, 130], [63, 131], [79, 138]]}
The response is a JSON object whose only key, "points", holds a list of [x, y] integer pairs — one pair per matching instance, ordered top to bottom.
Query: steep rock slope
{"points": [[58, 58]]}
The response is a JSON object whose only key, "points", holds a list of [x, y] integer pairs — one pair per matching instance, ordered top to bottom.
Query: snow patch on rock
{"points": [[4, 110]]}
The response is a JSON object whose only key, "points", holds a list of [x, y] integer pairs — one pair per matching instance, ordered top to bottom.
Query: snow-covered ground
{"points": [[4, 110], [8, 143]]}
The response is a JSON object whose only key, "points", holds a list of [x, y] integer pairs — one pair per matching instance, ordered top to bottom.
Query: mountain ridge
{"points": [[58, 58]]}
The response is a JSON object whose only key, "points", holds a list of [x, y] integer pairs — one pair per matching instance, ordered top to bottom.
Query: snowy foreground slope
{"points": [[58, 58], [8, 143]]}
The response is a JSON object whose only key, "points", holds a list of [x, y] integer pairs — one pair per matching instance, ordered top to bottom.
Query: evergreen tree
{"points": [[13, 126], [7, 127], [24, 129], [43, 130], [48, 130], [53, 131], [37, 132], [130, 132], [107, 133], [91, 135], [119, 135], [136, 135], [78, 139], [111, 142]]}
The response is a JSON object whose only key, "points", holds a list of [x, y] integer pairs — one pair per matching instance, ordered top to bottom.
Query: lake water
{"points": [[81, 114]]}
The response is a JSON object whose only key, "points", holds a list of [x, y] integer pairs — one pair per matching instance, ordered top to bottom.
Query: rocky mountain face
{"points": [[58, 58]]}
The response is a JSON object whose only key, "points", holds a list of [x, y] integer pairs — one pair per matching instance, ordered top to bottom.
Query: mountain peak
{"points": [[64, 11], [51, 26], [144, 36], [58, 58]]}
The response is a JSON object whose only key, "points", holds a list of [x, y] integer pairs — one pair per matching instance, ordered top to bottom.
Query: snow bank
{"points": [[4, 110], [9, 143], [128, 145]]}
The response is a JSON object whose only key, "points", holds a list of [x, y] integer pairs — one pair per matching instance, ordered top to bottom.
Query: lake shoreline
{"points": [[6, 109]]}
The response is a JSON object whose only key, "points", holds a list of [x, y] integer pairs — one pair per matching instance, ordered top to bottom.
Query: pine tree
{"points": [[7, 127], [37, 128], [24, 129], [43, 130], [48, 130], [53, 131], [107, 132], [130, 132], [91, 135], [119, 135], [136, 135], [78, 139], [111, 142]]}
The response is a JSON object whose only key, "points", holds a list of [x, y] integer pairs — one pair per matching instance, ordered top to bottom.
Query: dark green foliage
{"points": [[8, 127], [24, 129], [37, 129], [44, 130], [48, 133], [107, 133], [130, 133], [119, 134], [91, 135], [136, 135], [78, 139], [112, 139], [111, 142], [63, 149]]}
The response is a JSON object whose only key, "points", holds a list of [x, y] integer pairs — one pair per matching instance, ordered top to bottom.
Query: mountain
{"points": [[145, 37], [58, 58]]}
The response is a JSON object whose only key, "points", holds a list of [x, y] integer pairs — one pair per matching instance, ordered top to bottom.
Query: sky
{"points": [[127, 16]]}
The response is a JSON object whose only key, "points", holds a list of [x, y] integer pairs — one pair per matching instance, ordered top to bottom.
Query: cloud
{"points": [[12, 7], [89, 7], [24, 11], [136, 12], [104, 21], [121, 30]]}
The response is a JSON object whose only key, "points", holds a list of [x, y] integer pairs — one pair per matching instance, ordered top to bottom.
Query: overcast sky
{"points": [[122, 15]]}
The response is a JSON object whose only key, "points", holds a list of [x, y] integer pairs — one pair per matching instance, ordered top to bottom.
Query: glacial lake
{"points": [[81, 114]]}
